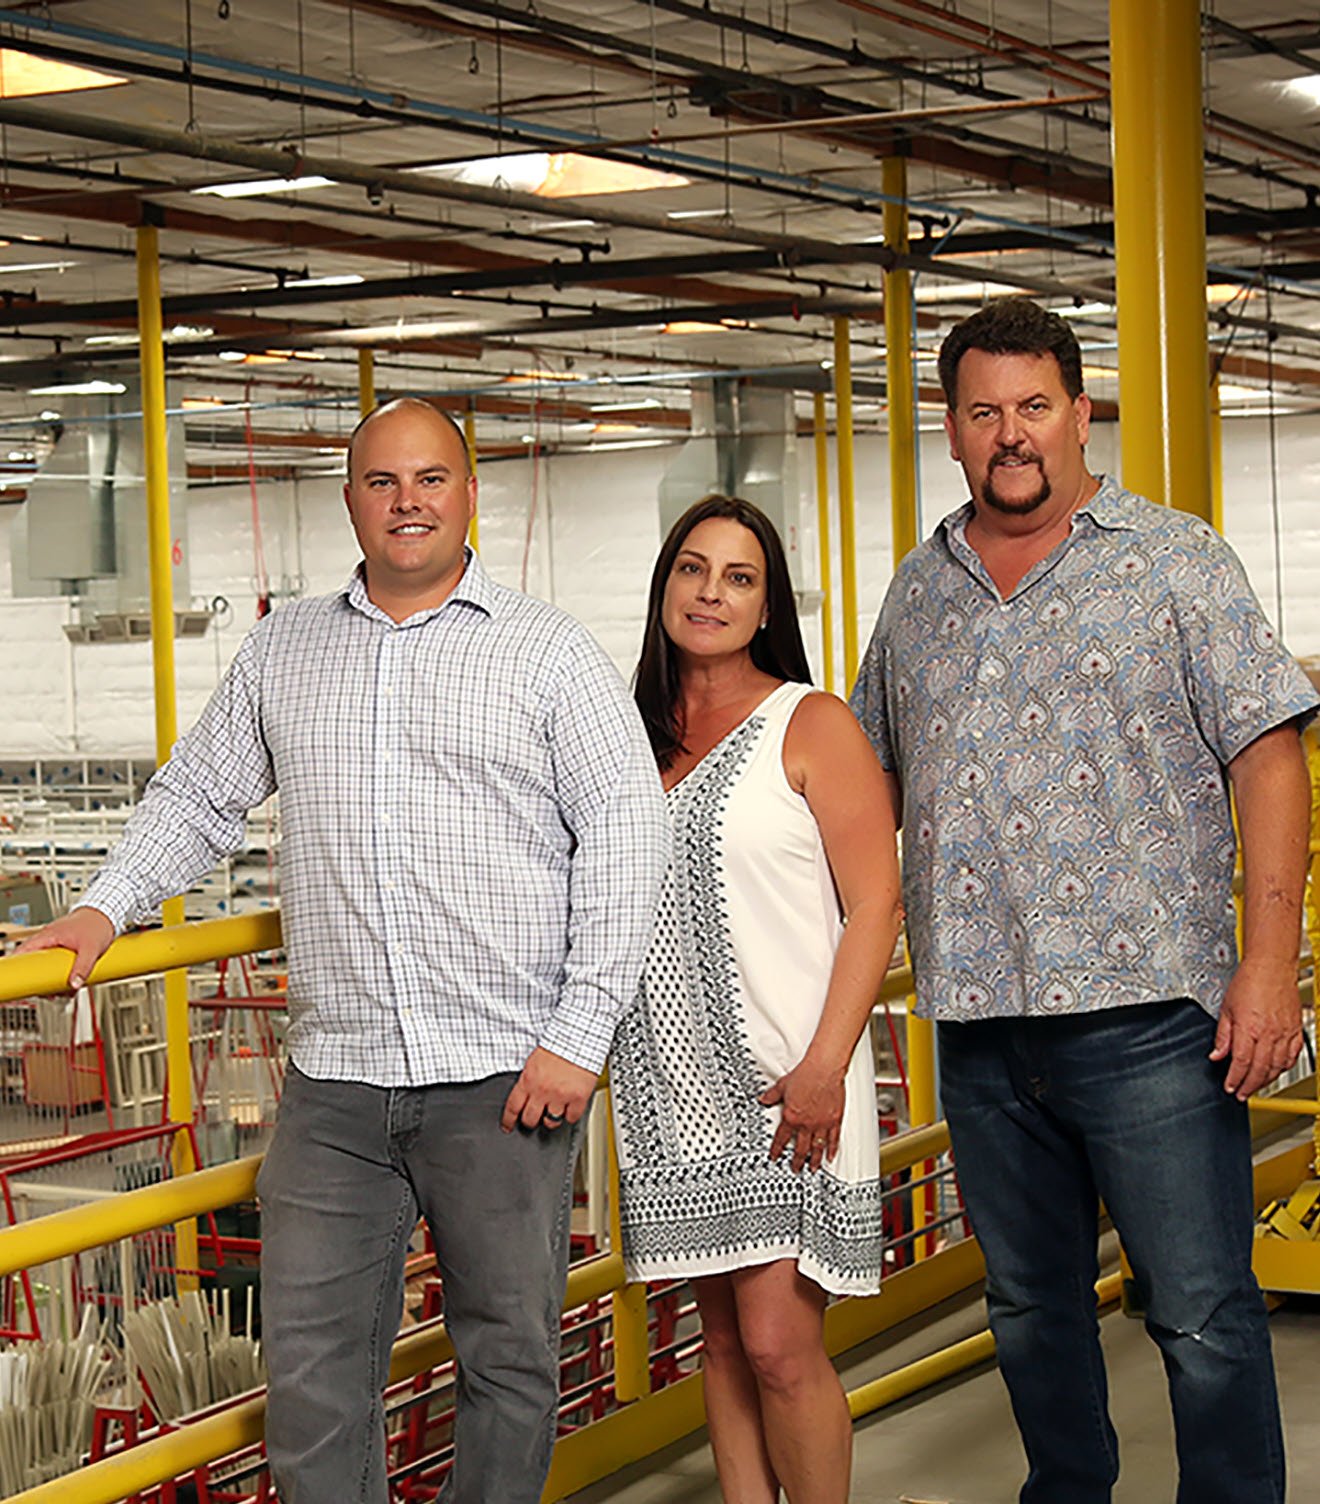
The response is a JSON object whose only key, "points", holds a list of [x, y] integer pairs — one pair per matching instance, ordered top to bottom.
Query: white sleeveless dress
{"points": [[731, 994]]}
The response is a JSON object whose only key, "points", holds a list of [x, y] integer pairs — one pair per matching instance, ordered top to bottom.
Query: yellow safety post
{"points": [[1159, 238], [366, 381], [899, 381], [470, 438], [843, 439], [823, 536], [160, 549], [919, 1032], [632, 1365]]}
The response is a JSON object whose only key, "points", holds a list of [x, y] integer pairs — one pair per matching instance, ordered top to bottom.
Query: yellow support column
{"points": [[1159, 236], [366, 382], [899, 382], [470, 437], [843, 439], [823, 537], [160, 546], [919, 1032], [632, 1365]]}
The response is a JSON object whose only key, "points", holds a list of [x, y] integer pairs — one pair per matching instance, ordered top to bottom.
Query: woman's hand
{"points": [[812, 1114]]}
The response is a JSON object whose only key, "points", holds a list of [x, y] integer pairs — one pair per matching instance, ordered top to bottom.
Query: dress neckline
{"points": [[755, 710]]}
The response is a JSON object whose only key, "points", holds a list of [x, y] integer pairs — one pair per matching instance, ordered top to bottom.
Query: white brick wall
{"points": [[593, 541]]}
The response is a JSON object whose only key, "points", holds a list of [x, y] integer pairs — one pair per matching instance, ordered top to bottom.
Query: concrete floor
{"points": [[957, 1444]]}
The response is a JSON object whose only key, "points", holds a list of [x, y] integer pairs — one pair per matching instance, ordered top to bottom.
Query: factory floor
{"points": [[956, 1443]]}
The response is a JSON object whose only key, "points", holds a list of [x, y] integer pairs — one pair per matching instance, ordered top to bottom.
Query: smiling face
{"points": [[1018, 435], [410, 497], [715, 597]]}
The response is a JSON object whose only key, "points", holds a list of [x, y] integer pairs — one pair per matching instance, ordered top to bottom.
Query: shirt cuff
{"points": [[115, 897], [580, 1035]]}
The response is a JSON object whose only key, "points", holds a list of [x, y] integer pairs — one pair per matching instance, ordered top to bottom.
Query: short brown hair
{"points": [[1012, 326]]}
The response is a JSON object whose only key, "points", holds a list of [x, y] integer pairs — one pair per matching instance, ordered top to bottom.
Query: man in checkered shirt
{"points": [[472, 839]]}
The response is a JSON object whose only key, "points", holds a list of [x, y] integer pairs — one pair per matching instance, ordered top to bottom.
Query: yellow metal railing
{"points": [[634, 1430]]}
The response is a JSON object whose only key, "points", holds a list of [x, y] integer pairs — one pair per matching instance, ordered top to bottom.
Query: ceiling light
{"points": [[22, 74], [1306, 88], [560, 174], [257, 186], [696, 213], [565, 224], [37, 266], [344, 279], [1228, 292], [1084, 310], [694, 326], [179, 331], [827, 365], [1099, 373], [79, 389], [1230, 392], [191, 404], [621, 407], [48, 415], [19, 454]]}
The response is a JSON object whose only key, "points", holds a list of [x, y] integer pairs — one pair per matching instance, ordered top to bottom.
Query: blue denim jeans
{"points": [[1047, 1116], [349, 1170]]}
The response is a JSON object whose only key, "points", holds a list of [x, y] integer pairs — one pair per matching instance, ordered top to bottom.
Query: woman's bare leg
{"points": [[733, 1401]]}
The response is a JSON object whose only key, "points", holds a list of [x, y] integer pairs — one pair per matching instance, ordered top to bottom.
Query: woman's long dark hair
{"points": [[777, 650]]}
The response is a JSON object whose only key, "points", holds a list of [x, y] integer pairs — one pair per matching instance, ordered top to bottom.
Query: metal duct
{"points": [[744, 443], [82, 532]]}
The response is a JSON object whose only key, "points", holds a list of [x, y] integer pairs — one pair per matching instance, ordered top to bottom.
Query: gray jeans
{"points": [[349, 1170]]}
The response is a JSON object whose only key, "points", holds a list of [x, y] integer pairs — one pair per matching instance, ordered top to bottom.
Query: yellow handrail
{"points": [[47, 971]]}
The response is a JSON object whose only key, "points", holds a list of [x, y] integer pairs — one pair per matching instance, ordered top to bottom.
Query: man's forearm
{"points": [[1273, 794]]}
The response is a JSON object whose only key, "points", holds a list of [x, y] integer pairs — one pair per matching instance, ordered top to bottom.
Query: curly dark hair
{"points": [[1012, 326], [777, 650]]}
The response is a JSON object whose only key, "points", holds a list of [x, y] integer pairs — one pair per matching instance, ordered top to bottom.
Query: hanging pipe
{"points": [[1159, 242], [843, 443], [823, 536], [160, 547]]}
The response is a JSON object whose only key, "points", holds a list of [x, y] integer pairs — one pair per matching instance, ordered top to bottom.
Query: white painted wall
{"points": [[590, 547]]}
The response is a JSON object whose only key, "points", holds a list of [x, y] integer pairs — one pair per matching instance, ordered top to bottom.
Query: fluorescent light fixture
{"points": [[22, 74], [1306, 88], [560, 174], [257, 186], [696, 214], [565, 224], [36, 266], [344, 279], [1228, 292], [1084, 310], [694, 326], [178, 332], [1099, 373], [79, 389], [1230, 392], [193, 404], [625, 407], [48, 415], [19, 454]]}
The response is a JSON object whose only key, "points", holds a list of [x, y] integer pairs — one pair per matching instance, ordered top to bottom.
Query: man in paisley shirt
{"points": [[1065, 682]]}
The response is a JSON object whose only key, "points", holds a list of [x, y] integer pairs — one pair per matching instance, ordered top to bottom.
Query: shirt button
{"points": [[384, 819], [390, 887]]}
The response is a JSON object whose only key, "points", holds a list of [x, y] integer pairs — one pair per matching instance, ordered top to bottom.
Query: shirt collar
{"points": [[1110, 507], [475, 588]]}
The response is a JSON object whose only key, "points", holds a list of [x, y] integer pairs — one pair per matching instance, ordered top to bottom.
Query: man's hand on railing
{"points": [[86, 932]]}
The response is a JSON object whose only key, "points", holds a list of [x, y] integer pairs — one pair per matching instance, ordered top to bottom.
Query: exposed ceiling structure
{"points": [[684, 186]]}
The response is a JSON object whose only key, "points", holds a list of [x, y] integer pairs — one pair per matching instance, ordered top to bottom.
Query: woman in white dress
{"points": [[743, 1082]]}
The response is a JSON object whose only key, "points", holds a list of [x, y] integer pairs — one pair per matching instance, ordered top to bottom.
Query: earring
{"points": [[764, 625]]}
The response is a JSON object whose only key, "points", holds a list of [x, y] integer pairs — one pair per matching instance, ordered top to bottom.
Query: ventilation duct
{"points": [[744, 443], [82, 532]]}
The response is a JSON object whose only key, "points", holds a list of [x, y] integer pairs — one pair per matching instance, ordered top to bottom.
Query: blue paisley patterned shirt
{"points": [[1068, 843]]}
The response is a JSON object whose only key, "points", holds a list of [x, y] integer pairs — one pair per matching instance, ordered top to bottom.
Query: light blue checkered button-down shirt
{"points": [[472, 830]]}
